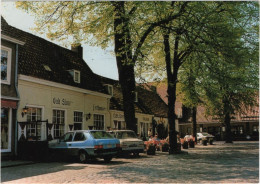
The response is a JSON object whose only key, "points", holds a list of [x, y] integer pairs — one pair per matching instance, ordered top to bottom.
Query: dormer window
{"points": [[76, 75], [109, 89], [136, 97]]}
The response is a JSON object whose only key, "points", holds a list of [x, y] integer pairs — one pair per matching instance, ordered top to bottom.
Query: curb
{"points": [[16, 164]]}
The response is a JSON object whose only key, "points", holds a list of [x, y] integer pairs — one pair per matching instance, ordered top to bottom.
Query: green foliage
{"points": [[217, 42]]}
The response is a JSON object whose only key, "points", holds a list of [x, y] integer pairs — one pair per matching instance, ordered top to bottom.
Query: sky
{"points": [[102, 62]]}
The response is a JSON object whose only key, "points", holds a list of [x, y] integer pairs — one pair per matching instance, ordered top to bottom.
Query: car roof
{"points": [[86, 131], [121, 131]]}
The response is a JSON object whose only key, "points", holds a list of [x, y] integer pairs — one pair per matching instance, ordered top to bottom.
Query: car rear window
{"points": [[205, 134], [101, 135], [126, 135]]}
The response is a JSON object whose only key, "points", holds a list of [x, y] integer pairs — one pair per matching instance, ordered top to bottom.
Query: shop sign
{"points": [[62, 101], [98, 108], [118, 116], [146, 118]]}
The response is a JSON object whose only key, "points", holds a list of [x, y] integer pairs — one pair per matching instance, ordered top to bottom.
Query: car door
{"points": [[79, 142], [64, 145]]}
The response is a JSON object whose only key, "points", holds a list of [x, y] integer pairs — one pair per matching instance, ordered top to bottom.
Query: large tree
{"points": [[125, 24], [208, 30], [227, 80]]}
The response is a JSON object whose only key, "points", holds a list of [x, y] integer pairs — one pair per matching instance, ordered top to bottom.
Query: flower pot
{"points": [[204, 142], [211, 142], [191, 144], [185, 145], [165, 148], [151, 150]]}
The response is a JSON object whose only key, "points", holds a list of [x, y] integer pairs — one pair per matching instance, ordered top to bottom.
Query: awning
{"points": [[8, 104]]}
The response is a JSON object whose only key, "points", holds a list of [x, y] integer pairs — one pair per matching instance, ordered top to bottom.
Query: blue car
{"points": [[86, 144]]}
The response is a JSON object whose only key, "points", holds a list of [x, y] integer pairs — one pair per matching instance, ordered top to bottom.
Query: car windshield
{"points": [[101, 135], [126, 135]]}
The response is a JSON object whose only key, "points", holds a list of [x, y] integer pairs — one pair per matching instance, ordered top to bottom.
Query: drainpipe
{"points": [[18, 96], [108, 109]]}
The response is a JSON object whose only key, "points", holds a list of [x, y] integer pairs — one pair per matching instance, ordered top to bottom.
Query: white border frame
{"points": [[9, 61]]}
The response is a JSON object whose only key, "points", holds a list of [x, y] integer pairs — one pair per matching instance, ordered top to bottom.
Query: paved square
{"points": [[219, 163]]}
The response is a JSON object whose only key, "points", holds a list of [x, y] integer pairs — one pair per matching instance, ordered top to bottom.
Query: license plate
{"points": [[133, 145], [109, 146]]}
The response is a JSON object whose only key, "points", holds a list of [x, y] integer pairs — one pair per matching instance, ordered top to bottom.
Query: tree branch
{"points": [[153, 25]]}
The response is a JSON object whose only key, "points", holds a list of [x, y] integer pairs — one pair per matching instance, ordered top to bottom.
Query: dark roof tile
{"points": [[37, 52], [148, 101]]}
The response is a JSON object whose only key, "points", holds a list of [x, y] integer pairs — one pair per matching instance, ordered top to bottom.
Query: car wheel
{"points": [[82, 156], [107, 159]]}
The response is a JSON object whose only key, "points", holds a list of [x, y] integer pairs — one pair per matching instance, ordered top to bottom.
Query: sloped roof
{"points": [[37, 52], [161, 90], [148, 101], [152, 101]]}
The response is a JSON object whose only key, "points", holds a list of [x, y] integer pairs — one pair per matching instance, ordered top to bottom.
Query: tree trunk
{"points": [[125, 64], [172, 80], [171, 117], [227, 120], [194, 122], [228, 128]]}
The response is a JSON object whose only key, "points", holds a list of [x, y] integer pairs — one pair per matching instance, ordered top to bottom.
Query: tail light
{"points": [[118, 145], [98, 146]]}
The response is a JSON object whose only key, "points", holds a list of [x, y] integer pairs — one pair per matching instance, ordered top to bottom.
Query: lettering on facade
{"points": [[62, 101], [98, 108], [119, 116], [146, 119]]}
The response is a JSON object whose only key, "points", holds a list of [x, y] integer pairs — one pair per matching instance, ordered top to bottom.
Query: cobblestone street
{"points": [[219, 163]]}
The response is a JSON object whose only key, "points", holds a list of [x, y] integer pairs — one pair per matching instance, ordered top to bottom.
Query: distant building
{"points": [[243, 126]]}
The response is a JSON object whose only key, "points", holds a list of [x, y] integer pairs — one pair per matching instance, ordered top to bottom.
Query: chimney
{"points": [[77, 48]]}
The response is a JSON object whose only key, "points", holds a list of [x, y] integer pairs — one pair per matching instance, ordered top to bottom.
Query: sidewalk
{"points": [[12, 163]]}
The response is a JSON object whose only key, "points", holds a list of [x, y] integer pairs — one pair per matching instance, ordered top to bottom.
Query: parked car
{"points": [[205, 136], [129, 141], [86, 144]]}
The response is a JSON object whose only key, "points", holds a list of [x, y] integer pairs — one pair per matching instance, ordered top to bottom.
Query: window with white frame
{"points": [[6, 65], [76, 76], [109, 89], [136, 97], [58, 119], [78, 120], [99, 122], [119, 125], [34, 129]]}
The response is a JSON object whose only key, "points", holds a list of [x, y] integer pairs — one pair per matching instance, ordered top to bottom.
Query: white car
{"points": [[205, 136], [129, 141]]}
